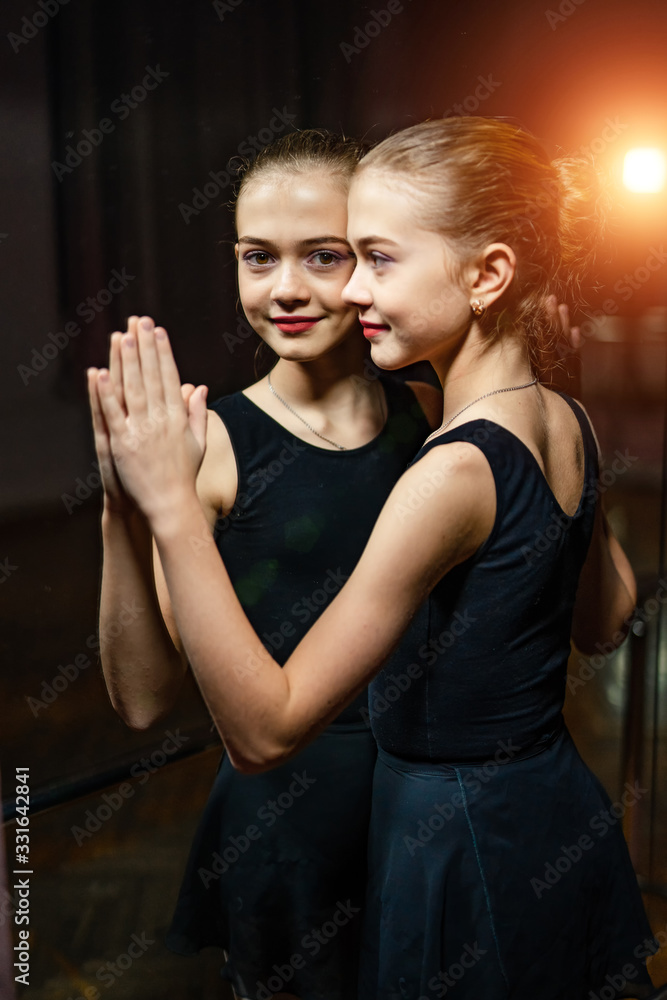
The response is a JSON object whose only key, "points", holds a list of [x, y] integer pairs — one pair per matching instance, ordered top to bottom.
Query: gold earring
{"points": [[478, 307]]}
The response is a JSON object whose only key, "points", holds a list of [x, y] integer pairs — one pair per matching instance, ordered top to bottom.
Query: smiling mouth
{"points": [[295, 324], [372, 329]]}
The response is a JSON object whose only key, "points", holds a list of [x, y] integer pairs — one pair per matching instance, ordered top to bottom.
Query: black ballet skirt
{"points": [[497, 865], [277, 870]]}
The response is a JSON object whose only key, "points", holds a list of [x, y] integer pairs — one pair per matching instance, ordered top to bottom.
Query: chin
{"points": [[385, 358]]}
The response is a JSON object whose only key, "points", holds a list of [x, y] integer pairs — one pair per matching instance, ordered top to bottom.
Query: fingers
{"points": [[551, 306], [149, 363], [115, 367], [143, 372], [171, 382], [134, 390], [186, 391], [112, 412], [198, 415], [99, 425]]}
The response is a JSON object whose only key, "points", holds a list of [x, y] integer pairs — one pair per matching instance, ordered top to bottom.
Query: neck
{"points": [[477, 368], [325, 376]]}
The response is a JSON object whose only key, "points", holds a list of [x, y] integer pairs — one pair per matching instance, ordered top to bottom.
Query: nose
{"points": [[289, 287], [356, 291]]}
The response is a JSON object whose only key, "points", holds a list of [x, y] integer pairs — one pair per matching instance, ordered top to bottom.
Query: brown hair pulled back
{"points": [[301, 152], [481, 180]]}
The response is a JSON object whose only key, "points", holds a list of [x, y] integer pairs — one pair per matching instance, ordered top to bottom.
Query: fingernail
{"points": [[146, 324], [160, 334], [128, 340]]}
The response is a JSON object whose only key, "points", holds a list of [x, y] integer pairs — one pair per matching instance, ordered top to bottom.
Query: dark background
{"points": [[589, 75]]}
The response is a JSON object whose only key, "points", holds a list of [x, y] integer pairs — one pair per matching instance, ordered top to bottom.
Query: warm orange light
{"points": [[644, 170]]}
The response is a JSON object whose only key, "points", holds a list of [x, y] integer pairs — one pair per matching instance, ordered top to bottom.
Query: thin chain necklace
{"points": [[511, 388], [340, 447]]}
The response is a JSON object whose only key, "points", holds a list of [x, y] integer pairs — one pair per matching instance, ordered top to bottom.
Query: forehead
{"points": [[293, 205], [379, 205]]}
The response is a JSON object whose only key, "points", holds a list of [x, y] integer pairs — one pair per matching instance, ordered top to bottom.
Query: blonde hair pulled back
{"points": [[479, 181]]}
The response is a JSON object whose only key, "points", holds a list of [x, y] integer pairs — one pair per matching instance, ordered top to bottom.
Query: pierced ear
{"points": [[494, 272]]}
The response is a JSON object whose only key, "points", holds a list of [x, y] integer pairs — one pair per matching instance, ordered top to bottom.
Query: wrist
{"points": [[174, 519], [125, 520]]}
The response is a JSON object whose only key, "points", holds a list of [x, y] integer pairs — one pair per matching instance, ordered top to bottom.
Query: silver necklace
{"points": [[511, 388], [340, 447]]}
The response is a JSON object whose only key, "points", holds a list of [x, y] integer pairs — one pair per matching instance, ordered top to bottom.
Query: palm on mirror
{"points": [[149, 430], [117, 502]]}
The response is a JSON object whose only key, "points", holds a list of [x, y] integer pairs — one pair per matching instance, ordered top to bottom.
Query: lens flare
{"points": [[644, 170]]}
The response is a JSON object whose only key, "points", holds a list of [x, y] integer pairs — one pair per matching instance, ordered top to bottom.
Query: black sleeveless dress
{"points": [[497, 864], [277, 870]]}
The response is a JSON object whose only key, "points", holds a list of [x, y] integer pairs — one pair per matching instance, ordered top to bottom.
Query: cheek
{"points": [[251, 293], [330, 293]]}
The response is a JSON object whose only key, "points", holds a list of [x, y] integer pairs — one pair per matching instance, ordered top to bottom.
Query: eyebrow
{"points": [[366, 241], [310, 242]]}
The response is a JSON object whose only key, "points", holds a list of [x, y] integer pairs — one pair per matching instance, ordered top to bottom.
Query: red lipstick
{"points": [[295, 324], [372, 329]]}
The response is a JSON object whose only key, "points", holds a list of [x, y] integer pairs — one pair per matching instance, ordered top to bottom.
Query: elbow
{"points": [[603, 640], [137, 717], [255, 758]]}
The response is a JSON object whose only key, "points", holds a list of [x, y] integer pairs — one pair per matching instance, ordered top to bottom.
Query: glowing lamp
{"points": [[644, 170]]}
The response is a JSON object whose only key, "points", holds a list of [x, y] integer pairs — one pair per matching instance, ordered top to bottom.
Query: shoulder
{"points": [[430, 400], [572, 412], [589, 422], [454, 466], [217, 481], [447, 497]]}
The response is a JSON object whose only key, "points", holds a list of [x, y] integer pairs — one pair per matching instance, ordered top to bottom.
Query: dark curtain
{"points": [[148, 198]]}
